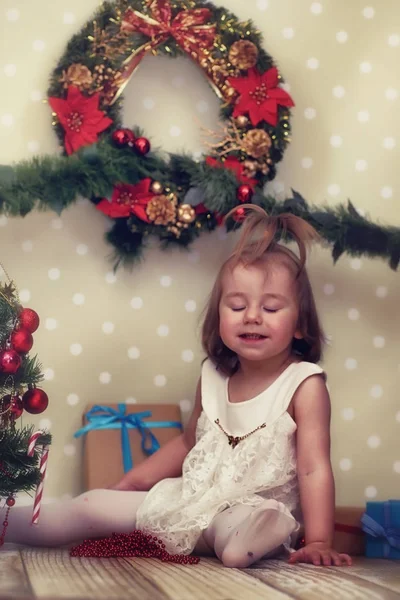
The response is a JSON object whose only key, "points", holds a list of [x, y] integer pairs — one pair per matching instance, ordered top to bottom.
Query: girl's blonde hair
{"points": [[259, 243]]}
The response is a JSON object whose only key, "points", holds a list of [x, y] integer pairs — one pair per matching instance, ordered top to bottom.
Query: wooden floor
{"points": [[32, 573]]}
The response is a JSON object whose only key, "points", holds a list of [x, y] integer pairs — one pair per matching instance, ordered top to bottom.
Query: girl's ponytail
{"points": [[261, 233]]}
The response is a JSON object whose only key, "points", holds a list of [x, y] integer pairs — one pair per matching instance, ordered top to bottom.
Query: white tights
{"points": [[97, 513], [239, 536]]}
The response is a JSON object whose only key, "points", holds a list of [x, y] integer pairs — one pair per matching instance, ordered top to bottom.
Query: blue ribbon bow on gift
{"points": [[105, 417], [390, 535]]}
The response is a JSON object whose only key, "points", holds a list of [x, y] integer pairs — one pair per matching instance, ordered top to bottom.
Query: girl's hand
{"points": [[319, 553]]}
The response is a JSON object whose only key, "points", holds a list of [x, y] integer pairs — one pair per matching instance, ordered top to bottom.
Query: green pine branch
{"points": [[343, 228], [7, 320], [29, 373], [18, 471]]}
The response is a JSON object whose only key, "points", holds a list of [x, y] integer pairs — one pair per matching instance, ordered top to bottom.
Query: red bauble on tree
{"points": [[123, 137], [142, 145], [244, 193], [28, 319], [21, 341], [10, 361], [35, 401], [14, 404]]}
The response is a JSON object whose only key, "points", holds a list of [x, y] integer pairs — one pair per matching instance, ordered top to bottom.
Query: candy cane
{"points": [[32, 442], [42, 469]]}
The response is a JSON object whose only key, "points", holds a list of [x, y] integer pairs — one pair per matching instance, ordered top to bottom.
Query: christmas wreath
{"points": [[173, 197], [177, 199]]}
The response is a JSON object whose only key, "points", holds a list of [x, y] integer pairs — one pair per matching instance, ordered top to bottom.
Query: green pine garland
{"points": [[101, 49], [56, 183], [344, 229]]}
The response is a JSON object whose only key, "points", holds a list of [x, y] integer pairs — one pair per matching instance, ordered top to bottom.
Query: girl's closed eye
{"points": [[237, 308], [270, 310]]}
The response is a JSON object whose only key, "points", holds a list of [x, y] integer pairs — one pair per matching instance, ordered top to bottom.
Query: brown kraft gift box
{"points": [[102, 452], [349, 537]]}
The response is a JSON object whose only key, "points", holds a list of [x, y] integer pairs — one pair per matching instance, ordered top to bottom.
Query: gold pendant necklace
{"points": [[234, 440]]}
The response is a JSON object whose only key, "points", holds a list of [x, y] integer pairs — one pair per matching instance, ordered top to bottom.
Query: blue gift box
{"points": [[381, 523]]}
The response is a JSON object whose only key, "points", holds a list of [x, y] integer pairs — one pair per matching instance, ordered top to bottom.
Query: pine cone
{"points": [[243, 54], [77, 75], [256, 143], [161, 210]]}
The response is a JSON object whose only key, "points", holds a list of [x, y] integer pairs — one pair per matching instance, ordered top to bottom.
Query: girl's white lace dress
{"points": [[215, 474]]}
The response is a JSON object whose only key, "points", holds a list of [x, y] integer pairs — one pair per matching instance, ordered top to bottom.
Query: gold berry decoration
{"points": [[229, 92], [242, 121], [250, 168], [156, 187], [186, 213], [175, 230]]}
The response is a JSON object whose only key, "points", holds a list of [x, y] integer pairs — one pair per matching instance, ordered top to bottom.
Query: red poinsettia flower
{"points": [[260, 96], [80, 117], [233, 164], [128, 200]]}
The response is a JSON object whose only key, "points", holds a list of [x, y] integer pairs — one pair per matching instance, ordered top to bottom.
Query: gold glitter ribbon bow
{"points": [[189, 28]]}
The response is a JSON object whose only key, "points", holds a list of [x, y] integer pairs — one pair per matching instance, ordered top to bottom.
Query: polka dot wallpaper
{"points": [[133, 337]]}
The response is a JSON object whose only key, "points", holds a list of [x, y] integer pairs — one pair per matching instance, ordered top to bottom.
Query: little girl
{"points": [[251, 472]]}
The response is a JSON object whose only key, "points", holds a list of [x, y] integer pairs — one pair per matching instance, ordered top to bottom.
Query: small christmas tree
{"points": [[19, 375]]}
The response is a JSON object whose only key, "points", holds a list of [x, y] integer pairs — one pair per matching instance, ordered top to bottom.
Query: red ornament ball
{"points": [[123, 137], [142, 145], [244, 193], [239, 215], [28, 319], [21, 341], [10, 361], [35, 401], [14, 403], [16, 407], [10, 501]]}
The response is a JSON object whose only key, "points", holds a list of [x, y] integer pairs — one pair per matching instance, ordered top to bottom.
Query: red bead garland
{"points": [[10, 501], [5, 523], [135, 543]]}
